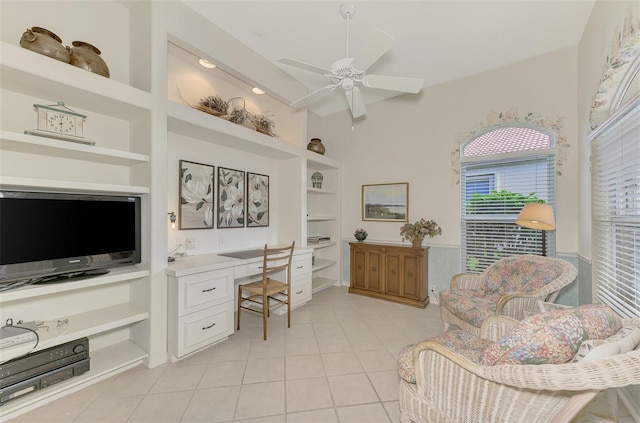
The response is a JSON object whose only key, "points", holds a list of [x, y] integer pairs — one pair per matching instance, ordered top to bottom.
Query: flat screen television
{"points": [[50, 237]]}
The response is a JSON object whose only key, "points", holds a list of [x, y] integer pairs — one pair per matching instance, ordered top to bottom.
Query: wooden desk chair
{"points": [[267, 293]]}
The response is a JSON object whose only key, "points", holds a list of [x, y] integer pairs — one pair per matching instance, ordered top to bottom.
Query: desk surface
{"points": [[189, 265]]}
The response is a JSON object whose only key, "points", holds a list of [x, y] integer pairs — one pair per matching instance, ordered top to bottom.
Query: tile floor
{"points": [[337, 363]]}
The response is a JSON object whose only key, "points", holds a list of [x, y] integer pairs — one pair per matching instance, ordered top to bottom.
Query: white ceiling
{"points": [[438, 41]]}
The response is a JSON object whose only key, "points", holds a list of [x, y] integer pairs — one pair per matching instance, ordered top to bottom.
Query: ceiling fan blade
{"points": [[378, 45], [304, 66], [393, 83], [314, 96], [354, 98]]}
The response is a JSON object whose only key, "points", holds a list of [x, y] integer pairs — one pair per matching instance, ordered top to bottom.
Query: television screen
{"points": [[45, 234]]}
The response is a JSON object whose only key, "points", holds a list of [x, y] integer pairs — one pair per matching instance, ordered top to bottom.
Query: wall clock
{"points": [[60, 122]]}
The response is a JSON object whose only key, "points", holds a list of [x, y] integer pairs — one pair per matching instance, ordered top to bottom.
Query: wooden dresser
{"points": [[390, 272]]}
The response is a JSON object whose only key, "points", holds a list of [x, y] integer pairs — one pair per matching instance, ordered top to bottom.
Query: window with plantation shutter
{"points": [[500, 171], [615, 209]]}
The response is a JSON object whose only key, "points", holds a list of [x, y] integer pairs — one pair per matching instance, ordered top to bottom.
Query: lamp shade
{"points": [[537, 216]]}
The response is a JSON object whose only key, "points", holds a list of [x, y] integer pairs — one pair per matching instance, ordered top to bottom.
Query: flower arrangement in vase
{"points": [[416, 232], [360, 234]]}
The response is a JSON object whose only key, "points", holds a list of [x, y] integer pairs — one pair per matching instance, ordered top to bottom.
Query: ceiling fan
{"points": [[350, 72]]}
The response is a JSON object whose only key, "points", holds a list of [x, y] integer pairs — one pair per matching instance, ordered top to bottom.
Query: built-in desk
{"points": [[201, 296]]}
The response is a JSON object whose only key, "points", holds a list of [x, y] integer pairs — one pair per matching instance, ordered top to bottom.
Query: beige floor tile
{"points": [[355, 326], [327, 328], [301, 330], [364, 340], [393, 340], [333, 343], [301, 346], [268, 348], [231, 350], [376, 360], [341, 363], [303, 367], [264, 370], [226, 373], [179, 378], [137, 381], [386, 384], [352, 389], [308, 394], [260, 400], [212, 405], [161, 408], [109, 410], [393, 410], [59, 411], [370, 413], [327, 415], [268, 419]]}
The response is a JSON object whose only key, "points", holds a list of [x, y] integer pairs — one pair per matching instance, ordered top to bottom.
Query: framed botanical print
{"points": [[196, 195], [230, 198], [257, 200], [386, 202]]}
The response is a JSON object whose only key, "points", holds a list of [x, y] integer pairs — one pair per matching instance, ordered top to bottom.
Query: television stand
{"points": [[72, 276]]}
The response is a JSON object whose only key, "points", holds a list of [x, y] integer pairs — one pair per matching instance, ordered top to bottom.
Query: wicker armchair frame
{"points": [[516, 305], [449, 388]]}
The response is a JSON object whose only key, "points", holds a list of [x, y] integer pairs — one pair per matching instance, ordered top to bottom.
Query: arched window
{"points": [[501, 170]]}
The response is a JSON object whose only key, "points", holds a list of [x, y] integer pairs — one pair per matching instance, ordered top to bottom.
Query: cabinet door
{"points": [[358, 269], [412, 269], [393, 274], [373, 276]]}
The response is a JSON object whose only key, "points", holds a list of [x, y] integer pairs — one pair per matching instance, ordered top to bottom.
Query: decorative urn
{"points": [[316, 146]]}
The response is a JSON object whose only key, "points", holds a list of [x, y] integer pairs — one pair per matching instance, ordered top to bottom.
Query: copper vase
{"points": [[45, 42], [87, 56]]}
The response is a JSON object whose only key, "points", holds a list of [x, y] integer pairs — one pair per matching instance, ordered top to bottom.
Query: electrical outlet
{"points": [[221, 240], [191, 243]]}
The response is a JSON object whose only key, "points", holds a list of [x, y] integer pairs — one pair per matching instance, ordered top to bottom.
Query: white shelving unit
{"points": [[323, 209], [112, 310]]}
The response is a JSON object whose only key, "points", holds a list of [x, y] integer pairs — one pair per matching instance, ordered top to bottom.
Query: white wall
{"points": [[411, 139]]}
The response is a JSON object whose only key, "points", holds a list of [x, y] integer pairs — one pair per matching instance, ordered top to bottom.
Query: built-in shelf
{"points": [[36, 75], [192, 123], [32, 144], [320, 162], [9, 182], [319, 191], [320, 218], [320, 245], [323, 264], [115, 276], [319, 283], [104, 363]]}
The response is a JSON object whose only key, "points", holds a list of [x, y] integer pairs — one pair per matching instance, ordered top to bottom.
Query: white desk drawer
{"points": [[300, 265], [202, 290], [300, 293], [205, 327]]}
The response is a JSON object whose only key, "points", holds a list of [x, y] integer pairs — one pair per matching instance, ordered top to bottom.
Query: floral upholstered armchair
{"points": [[510, 287], [546, 368]]}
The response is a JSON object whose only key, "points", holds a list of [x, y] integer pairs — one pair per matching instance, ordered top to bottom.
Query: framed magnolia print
{"points": [[196, 195], [230, 198], [257, 200], [386, 202]]}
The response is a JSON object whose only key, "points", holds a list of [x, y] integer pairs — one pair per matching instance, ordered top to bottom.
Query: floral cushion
{"points": [[519, 274], [470, 305], [553, 337], [623, 341], [463, 343]]}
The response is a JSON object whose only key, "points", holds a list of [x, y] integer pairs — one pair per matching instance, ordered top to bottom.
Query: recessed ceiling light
{"points": [[207, 64], [257, 90]]}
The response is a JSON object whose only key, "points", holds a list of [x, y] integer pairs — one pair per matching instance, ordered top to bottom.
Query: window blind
{"points": [[615, 207], [488, 224]]}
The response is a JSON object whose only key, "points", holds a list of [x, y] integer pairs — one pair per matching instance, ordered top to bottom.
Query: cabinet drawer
{"points": [[300, 265], [202, 290], [300, 293], [204, 327]]}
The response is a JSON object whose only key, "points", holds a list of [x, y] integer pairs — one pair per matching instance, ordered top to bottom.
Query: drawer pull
{"points": [[300, 267], [373, 269], [393, 271], [410, 274], [209, 290], [299, 292], [209, 327]]}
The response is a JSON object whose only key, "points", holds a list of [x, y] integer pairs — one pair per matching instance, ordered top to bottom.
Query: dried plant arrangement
{"points": [[214, 105], [264, 125]]}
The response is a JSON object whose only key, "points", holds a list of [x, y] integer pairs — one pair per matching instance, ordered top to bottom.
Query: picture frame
{"points": [[196, 193], [230, 198], [385, 202], [257, 203]]}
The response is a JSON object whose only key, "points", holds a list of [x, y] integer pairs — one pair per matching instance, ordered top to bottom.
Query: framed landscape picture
{"points": [[196, 195], [230, 198], [257, 200], [386, 202]]}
